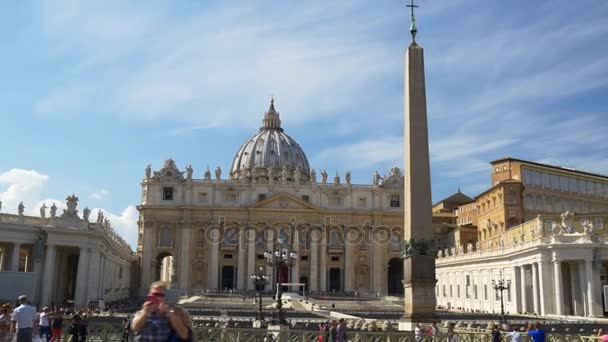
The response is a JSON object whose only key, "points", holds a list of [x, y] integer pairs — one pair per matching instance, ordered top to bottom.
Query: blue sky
{"points": [[93, 91]]}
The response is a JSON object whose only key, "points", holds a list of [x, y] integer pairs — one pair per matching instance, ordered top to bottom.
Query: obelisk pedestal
{"points": [[419, 252]]}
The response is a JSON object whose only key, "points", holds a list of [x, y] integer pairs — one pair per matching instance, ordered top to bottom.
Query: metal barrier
{"points": [[109, 333]]}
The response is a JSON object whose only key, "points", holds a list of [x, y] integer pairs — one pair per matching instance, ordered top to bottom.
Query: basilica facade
{"points": [[211, 233]]}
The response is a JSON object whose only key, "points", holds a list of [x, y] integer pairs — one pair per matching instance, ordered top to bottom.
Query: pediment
{"points": [[284, 201]]}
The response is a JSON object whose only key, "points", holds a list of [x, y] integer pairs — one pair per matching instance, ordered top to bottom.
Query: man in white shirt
{"points": [[24, 320], [44, 322], [514, 335]]}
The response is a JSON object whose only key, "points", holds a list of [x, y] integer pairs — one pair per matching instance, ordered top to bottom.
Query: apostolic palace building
{"points": [[539, 228], [212, 232]]}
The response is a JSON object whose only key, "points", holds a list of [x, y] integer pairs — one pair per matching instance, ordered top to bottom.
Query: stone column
{"points": [[15, 257], [251, 257], [323, 257], [184, 258], [314, 263], [349, 263], [419, 263], [378, 267], [241, 268], [147, 269], [295, 270], [269, 271], [94, 272], [48, 277], [212, 277], [582, 285], [515, 286], [544, 289], [524, 294], [594, 296], [80, 298], [535, 299], [559, 299]]}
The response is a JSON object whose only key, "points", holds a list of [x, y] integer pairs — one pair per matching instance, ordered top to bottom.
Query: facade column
{"points": [[16, 251], [251, 257], [323, 257], [184, 258], [314, 262], [349, 263], [240, 266], [147, 268], [379, 268], [269, 270], [295, 270], [94, 272], [212, 276], [48, 278], [582, 285], [544, 288], [524, 295], [594, 296], [80, 297], [535, 299], [559, 299], [516, 303]]}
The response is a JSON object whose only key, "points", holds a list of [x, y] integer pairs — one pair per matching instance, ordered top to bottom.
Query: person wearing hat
{"points": [[23, 320]]}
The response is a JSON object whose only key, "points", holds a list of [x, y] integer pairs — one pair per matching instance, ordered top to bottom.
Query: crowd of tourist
{"points": [[25, 322]]}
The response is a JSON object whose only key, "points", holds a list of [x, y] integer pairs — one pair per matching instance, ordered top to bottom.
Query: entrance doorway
{"points": [[165, 268], [395, 276], [228, 277], [303, 280], [335, 280]]}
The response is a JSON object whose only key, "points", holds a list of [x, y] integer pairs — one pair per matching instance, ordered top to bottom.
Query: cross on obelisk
{"points": [[413, 29], [418, 251]]}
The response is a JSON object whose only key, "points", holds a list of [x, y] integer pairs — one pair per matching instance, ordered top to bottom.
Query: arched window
{"points": [[165, 237], [230, 237], [334, 238], [395, 242]]}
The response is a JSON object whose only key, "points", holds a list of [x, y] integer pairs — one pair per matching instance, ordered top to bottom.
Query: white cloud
{"points": [[364, 153], [18, 185], [21, 185], [100, 194], [125, 223]]}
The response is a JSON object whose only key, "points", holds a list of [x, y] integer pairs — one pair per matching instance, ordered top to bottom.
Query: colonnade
{"points": [[545, 284]]}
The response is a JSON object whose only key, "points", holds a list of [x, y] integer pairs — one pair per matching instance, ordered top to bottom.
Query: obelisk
{"points": [[419, 252]]}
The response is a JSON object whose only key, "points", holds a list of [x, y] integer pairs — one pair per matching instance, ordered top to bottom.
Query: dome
{"points": [[270, 154]]}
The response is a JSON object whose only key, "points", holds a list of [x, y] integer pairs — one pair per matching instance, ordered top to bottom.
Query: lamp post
{"points": [[282, 257], [259, 280], [501, 285]]}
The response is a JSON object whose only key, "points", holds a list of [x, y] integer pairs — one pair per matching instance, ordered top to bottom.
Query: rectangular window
{"points": [[168, 194], [203, 197], [230, 197], [261, 197], [306, 198], [395, 199], [335, 200], [362, 202], [598, 223], [227, 256], [260, 256], [304, 258], [335, 258], [444, 291], [458, 291], [475, 291], [485, 291], [451, 293], [509, 295]]}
